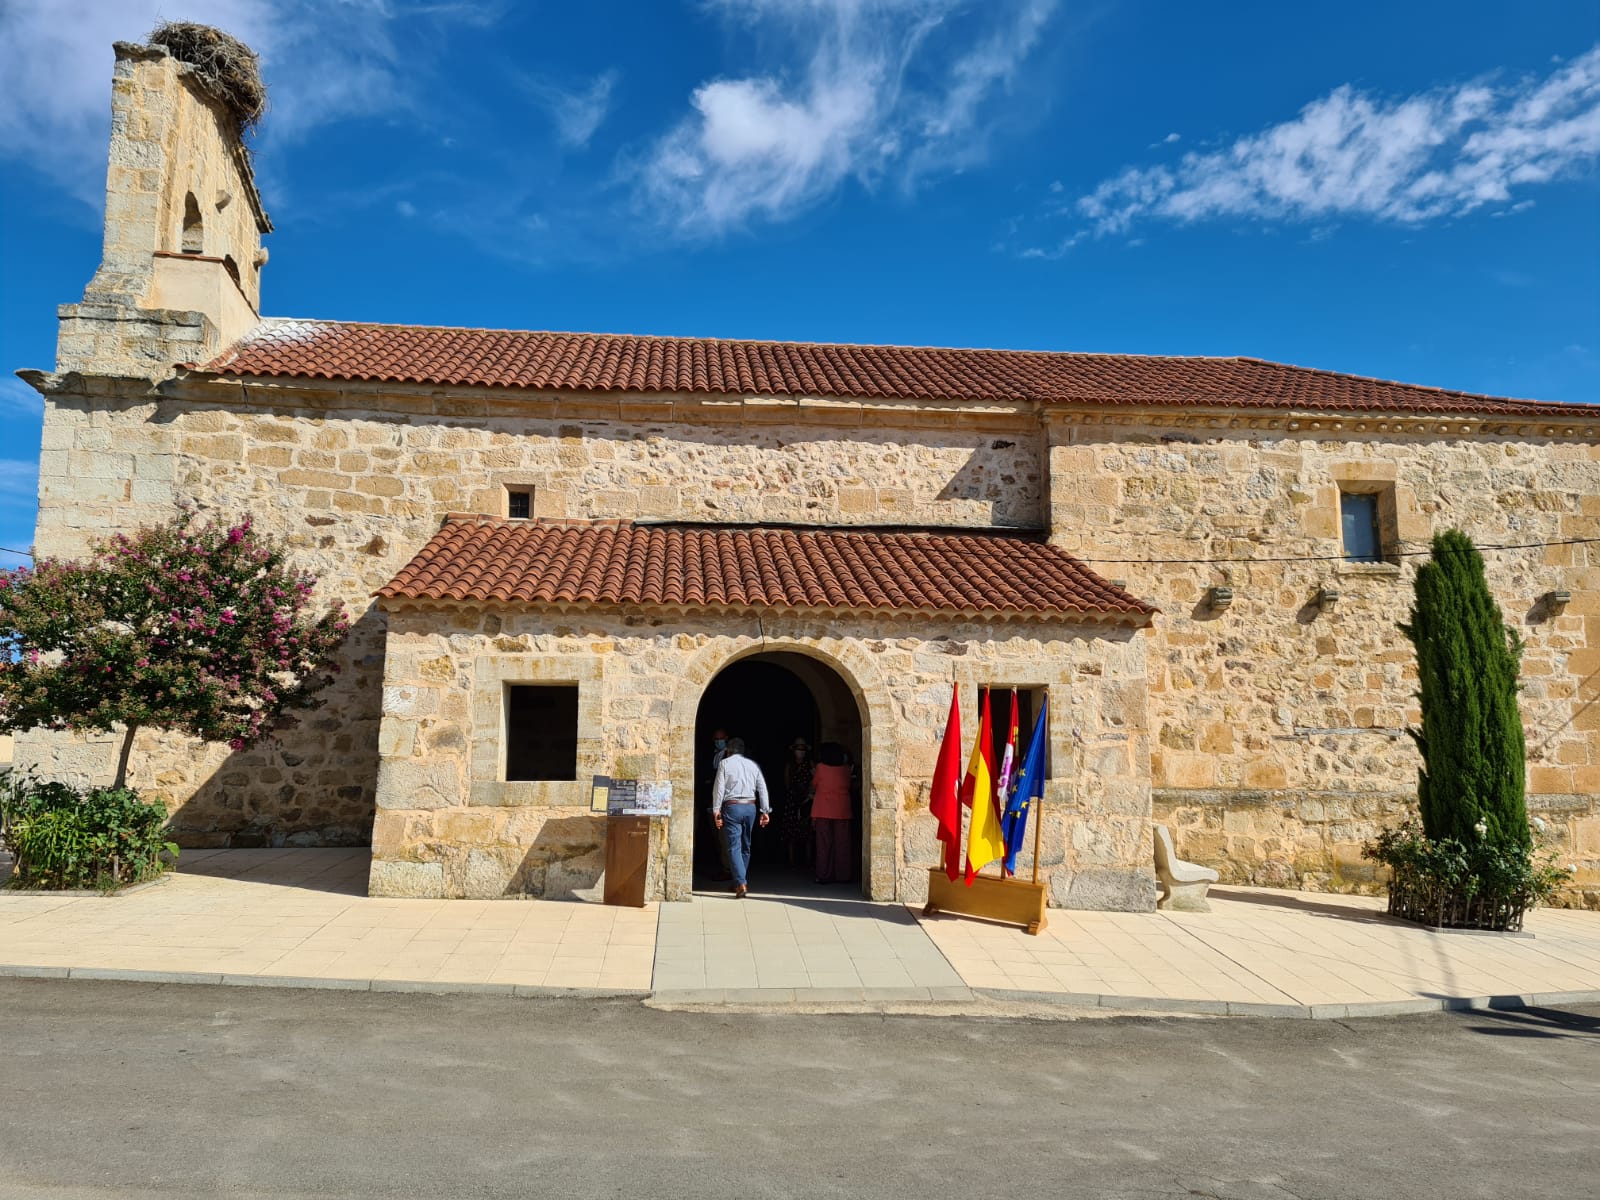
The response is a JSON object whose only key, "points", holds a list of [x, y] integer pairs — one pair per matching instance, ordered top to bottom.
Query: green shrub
{"points": [[66, 838], [1479, 883]]}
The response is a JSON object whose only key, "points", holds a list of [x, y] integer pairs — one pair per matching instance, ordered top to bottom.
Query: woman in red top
{"points": [[830, 814]]}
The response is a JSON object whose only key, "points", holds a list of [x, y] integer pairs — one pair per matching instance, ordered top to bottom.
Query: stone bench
{"points": [[1183, 884]]}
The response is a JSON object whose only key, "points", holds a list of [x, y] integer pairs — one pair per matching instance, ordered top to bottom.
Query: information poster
{"points": [[599, 797], [621, 797], [636, 798], [654, 799]]}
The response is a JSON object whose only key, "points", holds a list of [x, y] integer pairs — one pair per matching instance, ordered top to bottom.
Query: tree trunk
{"points": [[122, 759]]}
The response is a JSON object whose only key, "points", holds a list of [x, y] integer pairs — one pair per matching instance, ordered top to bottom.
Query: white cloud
{"points": [[322, 62], [871, 92], [577, 114], [949, 118], [1352, 154], [16, 396], [19, 478]]}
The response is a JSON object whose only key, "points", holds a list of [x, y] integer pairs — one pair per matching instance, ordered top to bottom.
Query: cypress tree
{"points": [[1471, 736]]}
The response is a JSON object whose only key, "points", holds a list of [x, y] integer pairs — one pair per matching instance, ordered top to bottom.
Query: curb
{"points": [[132, 889], [421, 986], [720, 997], [715, 998], [1297, 1012]]}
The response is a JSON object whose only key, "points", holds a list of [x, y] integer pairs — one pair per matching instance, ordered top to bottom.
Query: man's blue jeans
{"points": [[738, 827]]}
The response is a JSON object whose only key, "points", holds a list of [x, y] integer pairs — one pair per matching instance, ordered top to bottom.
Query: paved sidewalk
{"points": [[301, 918], [822, 940], [1265, 947]]}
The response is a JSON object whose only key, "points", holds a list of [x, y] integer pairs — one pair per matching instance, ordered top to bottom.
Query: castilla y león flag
{"points": [[944, 801], [985, 840]]}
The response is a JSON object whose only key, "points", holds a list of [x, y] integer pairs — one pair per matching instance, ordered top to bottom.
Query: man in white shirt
{"points": [[719, 751], [738, 802]]}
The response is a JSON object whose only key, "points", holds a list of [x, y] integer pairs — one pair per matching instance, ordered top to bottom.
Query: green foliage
{"points": [[200, 629], [1471, 787], [65, 838], [1472, 868], [1477, 883]]}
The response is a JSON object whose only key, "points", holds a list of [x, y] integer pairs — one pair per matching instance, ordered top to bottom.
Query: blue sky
{"points": [[1408, 191]]}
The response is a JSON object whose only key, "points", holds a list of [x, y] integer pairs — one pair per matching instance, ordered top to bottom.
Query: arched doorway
{"points": [[770, 699]]}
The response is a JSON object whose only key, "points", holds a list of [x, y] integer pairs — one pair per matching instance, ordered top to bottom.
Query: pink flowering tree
{"points": [[202, 629]]}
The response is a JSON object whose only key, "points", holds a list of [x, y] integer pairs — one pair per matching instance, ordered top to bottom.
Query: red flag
{"points": [[944, 801]]}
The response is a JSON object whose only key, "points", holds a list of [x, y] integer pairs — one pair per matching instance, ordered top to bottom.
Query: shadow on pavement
{"points": [[340, 871], [793, 889], [1297, 902], [1537, 1023]]}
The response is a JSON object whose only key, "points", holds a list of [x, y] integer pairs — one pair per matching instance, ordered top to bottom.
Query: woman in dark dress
{"points": [[795, 825]]}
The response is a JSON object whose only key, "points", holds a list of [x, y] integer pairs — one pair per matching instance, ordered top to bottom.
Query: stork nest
{"points": [[224, 65]]}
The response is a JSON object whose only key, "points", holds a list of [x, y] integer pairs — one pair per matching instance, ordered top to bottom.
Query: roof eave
{"points": [[1133, 619]]}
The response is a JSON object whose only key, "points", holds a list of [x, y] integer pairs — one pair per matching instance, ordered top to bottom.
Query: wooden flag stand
{"points": [[1014, 901]]}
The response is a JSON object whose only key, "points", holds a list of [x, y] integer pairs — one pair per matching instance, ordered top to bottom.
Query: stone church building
{"points": [[571, 555]]}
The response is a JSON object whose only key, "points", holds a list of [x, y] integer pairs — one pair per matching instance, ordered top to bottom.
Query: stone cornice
{"points": [[75, 384], [201, 387], [1219, 421]]}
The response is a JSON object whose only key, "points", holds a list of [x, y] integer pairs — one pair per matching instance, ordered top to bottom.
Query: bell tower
{"points": [[180, 272]]}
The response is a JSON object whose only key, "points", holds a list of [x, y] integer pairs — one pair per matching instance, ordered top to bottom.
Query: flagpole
{"points": [[1038, 820]]}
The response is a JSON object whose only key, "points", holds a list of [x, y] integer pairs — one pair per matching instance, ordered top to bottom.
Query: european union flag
{"points": [[1028, 787]]}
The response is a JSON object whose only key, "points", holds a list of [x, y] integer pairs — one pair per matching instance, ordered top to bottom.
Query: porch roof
{"points": [[986, 576]]}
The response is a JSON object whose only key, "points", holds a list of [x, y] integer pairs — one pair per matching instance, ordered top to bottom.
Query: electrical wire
{"points": [[1289, 558]]}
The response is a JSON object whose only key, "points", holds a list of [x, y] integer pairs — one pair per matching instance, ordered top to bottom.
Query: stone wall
{"points": [[356, 484], [1277, 725], [448, 824], [1313, 839]]}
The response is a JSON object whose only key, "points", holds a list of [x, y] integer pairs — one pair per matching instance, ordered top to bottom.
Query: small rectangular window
{"points": [[519, 504], [1363, 540], [1029, 702], [542, 731]]}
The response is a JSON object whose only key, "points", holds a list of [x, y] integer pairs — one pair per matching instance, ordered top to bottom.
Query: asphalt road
{"points": [[137, 1090]]}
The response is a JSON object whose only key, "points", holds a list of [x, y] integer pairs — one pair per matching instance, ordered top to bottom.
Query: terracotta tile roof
{"points": [[618, 363], [611, 563]]}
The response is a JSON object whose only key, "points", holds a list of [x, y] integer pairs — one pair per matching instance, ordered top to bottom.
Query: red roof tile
{"points": [[618, 363], [612, 563]]}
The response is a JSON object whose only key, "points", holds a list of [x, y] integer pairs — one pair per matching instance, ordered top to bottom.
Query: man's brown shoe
{"points": [[738, 892]]}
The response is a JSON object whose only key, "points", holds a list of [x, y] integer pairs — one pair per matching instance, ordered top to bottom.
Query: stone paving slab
{"points": [[300, 919], [798, 938], [1272, 952]]}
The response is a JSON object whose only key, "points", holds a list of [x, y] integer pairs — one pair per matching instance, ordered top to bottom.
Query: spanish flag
{"points": [[985, 839]]}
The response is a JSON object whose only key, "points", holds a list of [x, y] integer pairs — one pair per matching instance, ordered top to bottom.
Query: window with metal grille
{"points": [[519, 504]]}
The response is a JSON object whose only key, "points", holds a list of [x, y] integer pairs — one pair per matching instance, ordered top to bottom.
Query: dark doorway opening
{"points": [[769, 700]]}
